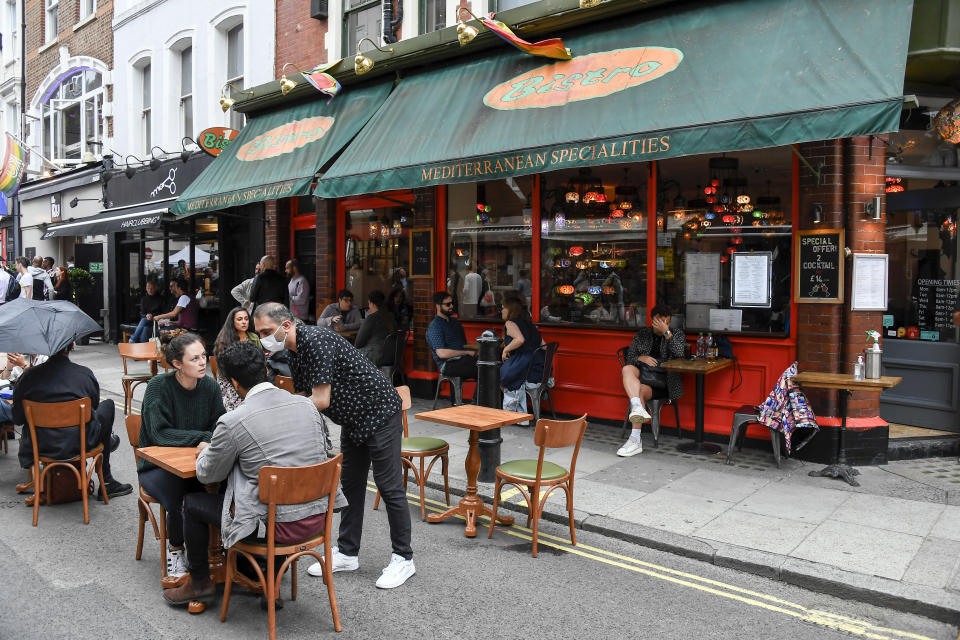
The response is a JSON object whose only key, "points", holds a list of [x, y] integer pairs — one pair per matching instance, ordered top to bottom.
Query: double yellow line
{"points": [[692, 581]]}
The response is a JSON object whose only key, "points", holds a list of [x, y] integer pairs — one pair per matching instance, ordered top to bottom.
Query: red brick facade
{"points": [[300, 38], [831, 335]]}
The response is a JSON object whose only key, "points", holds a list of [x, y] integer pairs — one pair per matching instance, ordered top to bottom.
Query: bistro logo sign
{"points": [[584, 78], [285, 138], [215, 139]]}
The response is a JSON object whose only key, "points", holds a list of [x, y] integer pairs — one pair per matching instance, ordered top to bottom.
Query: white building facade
{"points": [[172, 58]]}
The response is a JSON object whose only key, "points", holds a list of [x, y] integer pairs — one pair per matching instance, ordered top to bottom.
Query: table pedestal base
{"points": [[698, 448], [842, 471], [471, 508]]}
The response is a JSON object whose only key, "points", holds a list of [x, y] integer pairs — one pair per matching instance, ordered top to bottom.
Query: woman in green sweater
{"points": [[180, 409]]}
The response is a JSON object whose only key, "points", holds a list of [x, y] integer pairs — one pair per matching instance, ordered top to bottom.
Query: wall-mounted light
{"points": [[586, 4], [466, 33], [363, 64], [286, 84], [226, 101], [186, 153], [155, 162], [131, 170], [75, 201], [874, 208], [817, 213]]}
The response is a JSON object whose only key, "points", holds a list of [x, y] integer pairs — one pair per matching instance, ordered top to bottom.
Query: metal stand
{"points": [[698, 447], [840, 468]]}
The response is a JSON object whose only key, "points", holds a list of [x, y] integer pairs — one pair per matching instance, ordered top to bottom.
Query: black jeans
{"points": [[462, 367], [105, 414], [383, 451], [169, 490], [200, 510]]}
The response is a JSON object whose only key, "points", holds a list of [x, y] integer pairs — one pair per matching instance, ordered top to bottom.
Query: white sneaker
{"points": [[638, 414], [630, 448], [340, 563], [176, 564], [396, 573]]}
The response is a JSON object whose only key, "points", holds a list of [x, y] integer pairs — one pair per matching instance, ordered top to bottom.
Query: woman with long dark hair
{"points": [[235, 329], [521, 340], [180, 409]]}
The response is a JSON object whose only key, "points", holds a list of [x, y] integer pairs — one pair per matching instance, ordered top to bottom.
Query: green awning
{"points": [[687, 79], [278, 155]]}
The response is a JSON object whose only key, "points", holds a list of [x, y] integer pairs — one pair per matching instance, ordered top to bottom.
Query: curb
{"points": [[930, 602]]}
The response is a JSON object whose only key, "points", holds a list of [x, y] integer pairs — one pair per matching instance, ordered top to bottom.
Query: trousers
{"points": [[169, 490]]}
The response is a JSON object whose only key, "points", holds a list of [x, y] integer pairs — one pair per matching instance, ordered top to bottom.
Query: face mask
{"points": [[272, 344]]}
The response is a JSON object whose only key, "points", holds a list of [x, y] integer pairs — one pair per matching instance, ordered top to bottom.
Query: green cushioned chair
{"points": [[420, 448], [529, 476]]}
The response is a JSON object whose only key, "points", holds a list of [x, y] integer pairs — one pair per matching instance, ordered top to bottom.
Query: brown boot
{"points": [[203, 591]]}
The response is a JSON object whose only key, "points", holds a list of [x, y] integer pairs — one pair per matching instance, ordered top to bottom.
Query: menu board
{"points": [[421, 253], [819, 265], [751, 274], [702, 278], [869, 282], [934, 301]]}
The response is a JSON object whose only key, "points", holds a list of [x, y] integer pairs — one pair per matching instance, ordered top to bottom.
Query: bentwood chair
{"points": [[212, 363], [131, 381], [285, 383], [542, 390], [654, 405], [59, 415], [6, 429], [420, 448], [529, 476], [283, 486], [144, 500]]}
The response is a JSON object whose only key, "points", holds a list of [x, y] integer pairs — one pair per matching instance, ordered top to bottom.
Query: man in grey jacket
{"points": [[270, 427]]}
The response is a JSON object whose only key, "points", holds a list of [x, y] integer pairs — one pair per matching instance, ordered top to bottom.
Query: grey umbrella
{"points": [[43, 327]]}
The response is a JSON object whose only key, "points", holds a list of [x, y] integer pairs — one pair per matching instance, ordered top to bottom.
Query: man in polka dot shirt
{"points": [[346, 387]]}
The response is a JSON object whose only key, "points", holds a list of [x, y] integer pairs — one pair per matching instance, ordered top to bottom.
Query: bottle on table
{"points": [[709, 348], [700, 349], [858, 368]]}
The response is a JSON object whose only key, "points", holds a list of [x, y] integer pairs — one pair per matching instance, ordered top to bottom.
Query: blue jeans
{"points": [[143, 327]]}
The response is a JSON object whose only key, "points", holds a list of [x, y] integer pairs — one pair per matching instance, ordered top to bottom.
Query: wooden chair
{"points": [[212, 363], [130, 381], [285, 383], [58, 415], [5, 428], [420, 448], [534, 474], [282, 486], [145, 500]]}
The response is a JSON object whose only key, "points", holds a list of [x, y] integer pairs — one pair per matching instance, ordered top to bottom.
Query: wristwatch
{"points": [[667, 333]]}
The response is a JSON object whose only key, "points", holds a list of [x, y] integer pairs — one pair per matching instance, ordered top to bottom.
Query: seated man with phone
{"points": [[643, 379]]}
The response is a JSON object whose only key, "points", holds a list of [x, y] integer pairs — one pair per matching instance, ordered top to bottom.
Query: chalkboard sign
{"points": [[421, 253], [818, 256], [934, 301]]}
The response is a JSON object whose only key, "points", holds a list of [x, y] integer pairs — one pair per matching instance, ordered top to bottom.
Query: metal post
{"points": [[488, 395]]}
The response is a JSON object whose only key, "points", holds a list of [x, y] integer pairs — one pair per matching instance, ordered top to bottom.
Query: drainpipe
{"points": [[390, 25]]}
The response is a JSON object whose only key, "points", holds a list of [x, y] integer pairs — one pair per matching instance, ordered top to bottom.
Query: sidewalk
{"points": [[894, 541]]}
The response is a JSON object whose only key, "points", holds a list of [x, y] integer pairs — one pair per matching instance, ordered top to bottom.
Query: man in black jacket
{"points": [[269, 285], [59, 380]]}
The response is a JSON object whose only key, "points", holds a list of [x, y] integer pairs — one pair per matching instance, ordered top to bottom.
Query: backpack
{"points": [[13, 289]]}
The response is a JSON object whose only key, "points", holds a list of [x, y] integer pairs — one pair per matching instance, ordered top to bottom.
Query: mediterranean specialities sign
{"points": [[819, 265]]}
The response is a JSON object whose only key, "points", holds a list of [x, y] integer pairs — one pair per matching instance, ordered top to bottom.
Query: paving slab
{"points": [[642, 473], [728, 485], [793, 502], [672, 511], [892, 514], [948, 525], [755, 531], [861, 549], [935, 564]]}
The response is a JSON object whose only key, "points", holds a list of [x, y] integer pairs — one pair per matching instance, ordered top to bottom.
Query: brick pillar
{"points": [[270, 227], [276, 239], [326, 286], [423, 288], [830, 336]]}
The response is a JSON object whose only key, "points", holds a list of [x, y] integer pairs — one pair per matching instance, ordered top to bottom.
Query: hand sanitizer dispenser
{"points": [[872, 356]]}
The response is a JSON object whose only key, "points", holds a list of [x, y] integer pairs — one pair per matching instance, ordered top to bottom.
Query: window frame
{"points": [[51, 9], [82, 12], [346, 13], [422, 26], [186, 98], [146, 105], [51, 117], [237, 120]]}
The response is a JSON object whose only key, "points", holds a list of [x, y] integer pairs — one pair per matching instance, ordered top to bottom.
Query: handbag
{"points": [[653, 377], [62, 485]]}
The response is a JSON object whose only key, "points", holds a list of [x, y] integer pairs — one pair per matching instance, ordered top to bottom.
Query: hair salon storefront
{"points": [[652, 168]]}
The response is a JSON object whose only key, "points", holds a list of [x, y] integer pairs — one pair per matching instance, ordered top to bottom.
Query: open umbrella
{"points": [[42, 327]]}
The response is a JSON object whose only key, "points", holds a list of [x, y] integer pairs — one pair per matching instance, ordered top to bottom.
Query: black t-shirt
{"points": [[656, 350], [361, 399]]}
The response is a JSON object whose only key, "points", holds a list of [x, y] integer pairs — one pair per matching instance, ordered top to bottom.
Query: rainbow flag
{"points": [[552, 48], [322, 81], [14, 166]]}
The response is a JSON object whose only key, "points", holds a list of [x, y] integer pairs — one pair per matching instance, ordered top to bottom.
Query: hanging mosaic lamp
{"points": [[947, 122], [573, 197], [576, 251], [566, 290], [594, 291]]}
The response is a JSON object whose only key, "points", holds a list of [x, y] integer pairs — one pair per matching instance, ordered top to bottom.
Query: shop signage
{"points": [[584, 78], [285, 138], [216, 139], [173, 176], [55, 201], [147, 253], [421, 253], [819, 265], [96, 267]]}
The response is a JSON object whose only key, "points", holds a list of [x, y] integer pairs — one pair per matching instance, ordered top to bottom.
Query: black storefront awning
{"points": [[134, 218]]}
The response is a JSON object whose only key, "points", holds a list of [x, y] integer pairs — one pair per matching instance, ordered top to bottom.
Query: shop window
{"points": [[433, 15], [361, 19], [51, 21], [235, 66], [186, 92], [72, 117], [719, 219], [489, 238], [921, 240], [378, 251], [593, 265]]}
